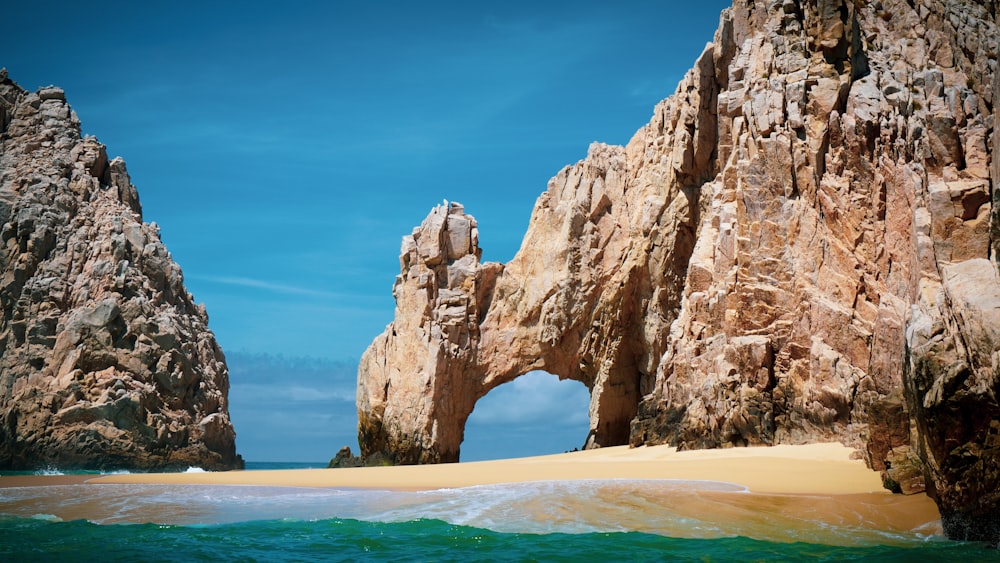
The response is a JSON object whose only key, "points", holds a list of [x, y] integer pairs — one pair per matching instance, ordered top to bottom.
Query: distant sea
{"points": [[250, 466], [617, 520]]}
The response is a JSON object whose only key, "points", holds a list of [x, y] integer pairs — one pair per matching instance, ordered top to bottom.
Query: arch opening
{"points": [[535, 414]]}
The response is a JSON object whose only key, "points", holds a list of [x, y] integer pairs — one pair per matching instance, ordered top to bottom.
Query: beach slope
{"points": [[818, 469]]}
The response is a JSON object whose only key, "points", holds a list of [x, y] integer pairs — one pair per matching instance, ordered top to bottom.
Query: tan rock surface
{"points": [[796, 248], [105, 360]]}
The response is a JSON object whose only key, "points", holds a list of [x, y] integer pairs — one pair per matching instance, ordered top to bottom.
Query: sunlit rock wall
{"points": [[799, 247]]}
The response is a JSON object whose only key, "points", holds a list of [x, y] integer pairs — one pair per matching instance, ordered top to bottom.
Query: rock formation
{"points": [[800, 246], [105, 360]]}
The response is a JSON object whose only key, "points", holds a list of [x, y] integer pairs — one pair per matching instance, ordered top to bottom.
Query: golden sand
{"points": [[820, 469]]}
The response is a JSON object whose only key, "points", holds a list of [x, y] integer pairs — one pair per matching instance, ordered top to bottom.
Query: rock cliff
{"points": [[800, 246], [105, 361]]}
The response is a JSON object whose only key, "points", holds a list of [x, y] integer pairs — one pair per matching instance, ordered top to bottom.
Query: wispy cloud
{"points": [[265, 285], [283, 392], [532, 399], [533, 415]]}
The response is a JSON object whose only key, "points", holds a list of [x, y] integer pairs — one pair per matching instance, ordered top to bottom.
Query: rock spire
{"points": [[105, 360]]}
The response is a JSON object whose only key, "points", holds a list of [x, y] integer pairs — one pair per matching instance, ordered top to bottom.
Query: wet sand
{"points": [[42, 480]]}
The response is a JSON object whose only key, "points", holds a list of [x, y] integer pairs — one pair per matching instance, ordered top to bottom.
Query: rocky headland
{"points": [[800, 246], [105, 360]]}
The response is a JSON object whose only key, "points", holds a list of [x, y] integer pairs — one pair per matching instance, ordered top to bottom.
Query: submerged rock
{"points": [[800, 246], [105, 360]]}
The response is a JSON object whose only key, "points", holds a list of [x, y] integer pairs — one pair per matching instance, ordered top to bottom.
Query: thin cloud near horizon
{"points": [[269, 286]]}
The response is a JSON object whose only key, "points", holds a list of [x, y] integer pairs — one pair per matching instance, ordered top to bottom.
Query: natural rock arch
{"points": [[589, 296], [580, 301], [463, 328]]}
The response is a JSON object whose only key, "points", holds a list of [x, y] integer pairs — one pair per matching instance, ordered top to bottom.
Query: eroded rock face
{"points": [[800, 246], [105, 360]]}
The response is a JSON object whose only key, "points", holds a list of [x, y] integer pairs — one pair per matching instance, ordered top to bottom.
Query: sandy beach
{"points": [[820, 469], [818, 482]]}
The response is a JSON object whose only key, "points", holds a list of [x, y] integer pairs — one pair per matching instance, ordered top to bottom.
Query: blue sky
{"points": [[285, 148]]}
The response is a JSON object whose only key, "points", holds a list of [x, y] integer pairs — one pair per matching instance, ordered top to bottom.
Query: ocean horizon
{"points": [[248, 466]]}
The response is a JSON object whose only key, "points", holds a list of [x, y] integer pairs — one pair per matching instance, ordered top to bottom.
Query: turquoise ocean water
{"points": [[547, 521]]}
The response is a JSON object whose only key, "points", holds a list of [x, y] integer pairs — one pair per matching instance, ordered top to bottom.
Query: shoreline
{"points": [[817, 482]]}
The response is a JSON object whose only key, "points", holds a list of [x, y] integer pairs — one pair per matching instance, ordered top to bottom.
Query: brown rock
{"points": [[796, 248], [570, 303], [105, 361], [904, 472]]}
